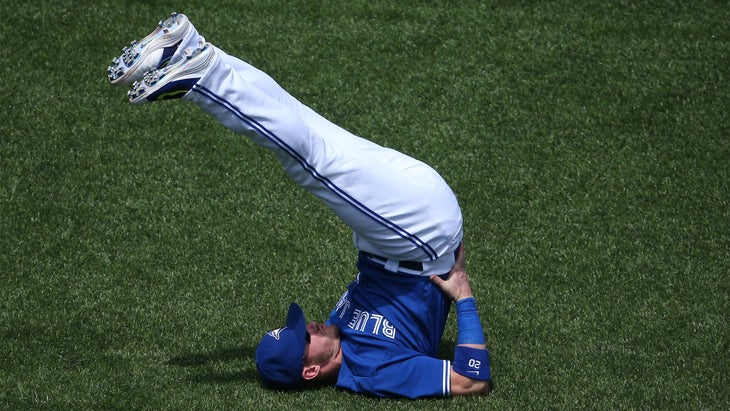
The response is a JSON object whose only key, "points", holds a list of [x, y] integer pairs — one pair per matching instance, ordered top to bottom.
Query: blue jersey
{"points": [[391, 326]]}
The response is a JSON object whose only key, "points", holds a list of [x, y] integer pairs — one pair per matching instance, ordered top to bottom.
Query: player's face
{"points": [[323, 345]]}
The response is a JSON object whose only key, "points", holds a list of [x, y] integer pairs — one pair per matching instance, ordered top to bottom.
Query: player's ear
{"points": [[310, 372]]}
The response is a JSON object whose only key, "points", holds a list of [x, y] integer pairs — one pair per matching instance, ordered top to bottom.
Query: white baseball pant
{"points": [[398, 207]]}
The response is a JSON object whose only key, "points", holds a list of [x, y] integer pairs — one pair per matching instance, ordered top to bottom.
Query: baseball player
{"points": [[382, 335]]}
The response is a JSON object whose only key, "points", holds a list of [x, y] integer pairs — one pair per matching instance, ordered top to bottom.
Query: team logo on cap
{"points": [[276, 333]]}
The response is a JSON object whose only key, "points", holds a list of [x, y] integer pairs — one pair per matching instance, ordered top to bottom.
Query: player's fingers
{"points": [[460, 262], [440, 283]]}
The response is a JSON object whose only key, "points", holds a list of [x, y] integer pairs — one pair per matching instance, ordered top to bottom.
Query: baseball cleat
{"points": [[152, 52], [173, 80]]}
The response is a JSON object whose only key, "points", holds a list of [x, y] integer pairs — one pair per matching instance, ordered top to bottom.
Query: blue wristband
{"points": [[467, 319], [472, 363]]}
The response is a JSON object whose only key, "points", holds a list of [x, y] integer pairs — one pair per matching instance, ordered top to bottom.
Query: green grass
{"points": [[144, 250]]}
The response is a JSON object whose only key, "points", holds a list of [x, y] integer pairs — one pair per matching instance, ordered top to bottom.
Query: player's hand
{"points": [[456, 286]]}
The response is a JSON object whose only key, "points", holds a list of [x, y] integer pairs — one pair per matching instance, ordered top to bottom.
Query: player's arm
{"points": [[470, 371]]}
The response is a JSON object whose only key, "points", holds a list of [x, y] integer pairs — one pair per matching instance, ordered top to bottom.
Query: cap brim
{"points": [[295, 321]]}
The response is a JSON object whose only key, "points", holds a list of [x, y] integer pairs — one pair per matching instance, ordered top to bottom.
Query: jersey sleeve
{"points": [[409, 374]]}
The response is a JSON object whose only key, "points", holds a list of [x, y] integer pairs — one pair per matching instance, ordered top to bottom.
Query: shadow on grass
{"points": [[240, 355]]}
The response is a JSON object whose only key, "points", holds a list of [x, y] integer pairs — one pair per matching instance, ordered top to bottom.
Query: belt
{"points": [[408, 265]]}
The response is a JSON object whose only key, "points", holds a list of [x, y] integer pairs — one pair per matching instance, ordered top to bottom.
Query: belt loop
{"points": [[391, 266]]}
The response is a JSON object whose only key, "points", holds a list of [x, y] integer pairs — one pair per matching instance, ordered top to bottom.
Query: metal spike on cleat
{"points": [[135, 91]]}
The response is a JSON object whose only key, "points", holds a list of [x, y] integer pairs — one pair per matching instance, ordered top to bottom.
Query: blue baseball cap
{"points": [[280, 354]]}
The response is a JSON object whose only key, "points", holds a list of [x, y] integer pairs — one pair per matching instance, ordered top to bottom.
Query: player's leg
{"points": [[270, 87], [397, 206]]}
